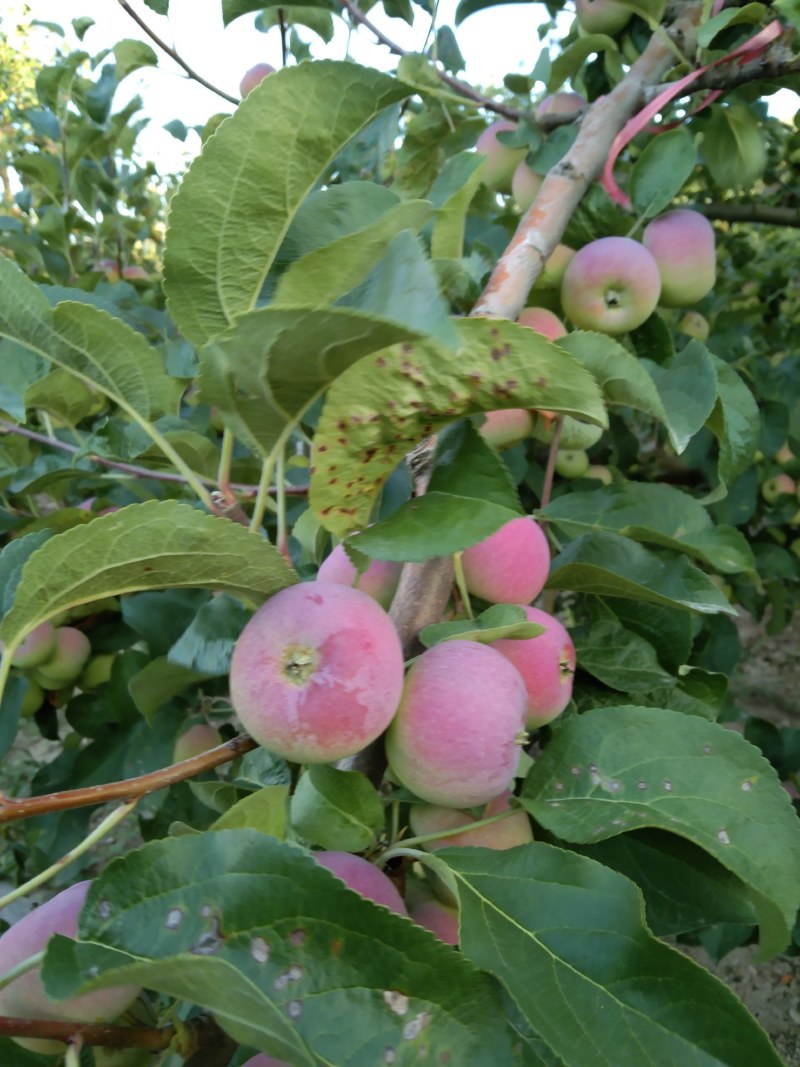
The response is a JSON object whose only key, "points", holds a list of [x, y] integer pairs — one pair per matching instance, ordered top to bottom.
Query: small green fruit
{"points": [[571, 463]]}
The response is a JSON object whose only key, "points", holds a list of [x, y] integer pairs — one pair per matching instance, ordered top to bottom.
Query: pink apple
{"points": [[602, 16], [254, 77], [566, 104], [501, 160], [525, 185], [682, 244], [611, 285], [543, 321], [507, 427], [574, 433], [780, 485], [511, 565], [379, 580], [37, 648], [72, 650], [547, 666], [317, 673], [455, 738], [197, 739], [432, 819], [363, 877], [436, 916], [25, 997], [263, 1060]]}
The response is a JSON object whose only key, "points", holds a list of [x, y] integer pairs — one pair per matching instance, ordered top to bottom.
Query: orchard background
{"points": [[333, 283]]}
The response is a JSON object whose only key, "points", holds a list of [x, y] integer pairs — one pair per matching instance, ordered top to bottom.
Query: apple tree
{"points": [[378, 498]]}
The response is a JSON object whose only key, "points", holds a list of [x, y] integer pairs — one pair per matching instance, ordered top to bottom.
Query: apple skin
{"points": [[602, 16], [254, 76], [566, 104], [501, 159], [525, 186], [683, 246], [555, 265], [611, 285], [543, 321], [695, 325], [507, 427], [575, 435], [784, 455], [571, 462], [599, 473], [780, 485], [511, 565], [379, 580], [37, 648], [71, 654], [547, 666], [97, 671], [317, 672], [33, 699], [455, 738], [197, 739], [432, 819], [364, 877], [436, 916], [25, 998], [263, 1060]]}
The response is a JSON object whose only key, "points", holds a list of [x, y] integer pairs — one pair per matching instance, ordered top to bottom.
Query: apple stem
{"points": [[549, 473], [461, 582], [21, 968]]}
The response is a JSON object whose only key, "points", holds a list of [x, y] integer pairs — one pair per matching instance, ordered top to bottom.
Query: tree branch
{"points": [[174, 55], [774, 65], [563, 188], [763, 213], [12, 808], [201, 1032]]}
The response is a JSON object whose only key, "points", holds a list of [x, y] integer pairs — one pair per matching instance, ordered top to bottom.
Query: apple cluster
{"points": [[54, 659]]}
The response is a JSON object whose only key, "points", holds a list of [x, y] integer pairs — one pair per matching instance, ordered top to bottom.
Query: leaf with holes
{"points": [[249, 181], [377, 411], [155, 545], [620, 768], [566, 938], [273, 945]]}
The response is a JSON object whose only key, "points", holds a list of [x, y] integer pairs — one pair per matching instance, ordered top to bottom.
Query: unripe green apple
{"points": [[602, 16], [254, 77], [566, 104], [501, 160], [525, 186], [683, 245], [554, 268], [611, 285], [543, 321], [693, 324], [507, 427], [575, 435], [571, 462], [599, 473], [780, 485], [794, 547], [511, 565], [379, 580], [37, 648], [72, 650], [546, 664], [97, 671], [317, 673], [33, 699], [455, 738], [197, 739], [433, 819], [363, 877], [25, 997]]}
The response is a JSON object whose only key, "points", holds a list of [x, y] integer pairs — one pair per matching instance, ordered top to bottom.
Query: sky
{"points": [[494, 42]]}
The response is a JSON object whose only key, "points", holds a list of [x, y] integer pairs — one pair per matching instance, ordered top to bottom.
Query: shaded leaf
{"points": [[661, 170], [687, 385], [498, 621], [616, 656], [337, 809]]}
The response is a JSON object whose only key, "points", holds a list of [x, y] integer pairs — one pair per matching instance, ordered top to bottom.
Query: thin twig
{"points": [[174, 55], [764, 213]]}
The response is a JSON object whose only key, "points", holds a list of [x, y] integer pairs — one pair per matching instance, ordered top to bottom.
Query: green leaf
{"points": [[161, 7], [470, 7], [234, 9], [749, 13], [316, 19], [82, 25], [131, 55], [574, 56], [419, 71], [733, 148], [661, 170], [250, 180], [452, 193], [327, 215], [320, 277], [273, 363], [687, 385], [377, 411], [735, 423], [465, 465], [143, 546], [13, 558], [608, 564], [498, 621], [206, 646], [616, 656], [158, 682], [613, 769], [337, 809], [264, 810], [566, 938], [273, 945]]}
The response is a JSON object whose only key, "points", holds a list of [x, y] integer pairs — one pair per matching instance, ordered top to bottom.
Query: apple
{"points": [[602, 16], [253, 77], [561, 104], [502, 160], [525, 185], [682, 244], [555, 265], [611, 285], [543, 321], [693, 324], [507, 427], [574, 433], [784, 455], [571, 462], [599, 473], [772, 489], [511, 565], [379, 580], [37, 648], [72, 650], [546, 664], [97, 671], [317, 672], [33, 699], [455, 738], [197, 739], [432, 819], [363, 877], [433, 914], [25, 997], [263, 1060]]}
